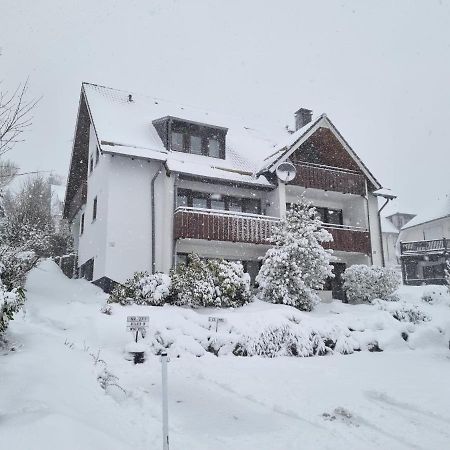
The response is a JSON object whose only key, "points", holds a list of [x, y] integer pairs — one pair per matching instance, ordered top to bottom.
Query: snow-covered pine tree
{"points": [[297, 265], [447, 275]]}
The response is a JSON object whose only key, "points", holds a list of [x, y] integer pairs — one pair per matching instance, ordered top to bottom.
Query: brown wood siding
{"points": [[324, 148], [328, 179], [205, 225]]}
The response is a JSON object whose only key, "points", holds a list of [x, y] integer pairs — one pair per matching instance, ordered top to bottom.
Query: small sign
{"points": [[217, 320], [137, 324]]}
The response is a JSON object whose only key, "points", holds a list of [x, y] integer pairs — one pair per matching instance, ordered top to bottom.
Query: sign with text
{"points": [[137, 323]]}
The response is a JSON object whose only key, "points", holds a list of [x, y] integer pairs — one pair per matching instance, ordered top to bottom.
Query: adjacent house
{"points": [[151, 181], [425, 246]]}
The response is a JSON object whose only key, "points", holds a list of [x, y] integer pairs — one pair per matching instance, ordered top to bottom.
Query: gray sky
{"points": [[379, 69]]}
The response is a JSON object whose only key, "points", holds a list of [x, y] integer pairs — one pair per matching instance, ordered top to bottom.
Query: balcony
{"points": [[329, 179], [229, 226], [424, 247]]}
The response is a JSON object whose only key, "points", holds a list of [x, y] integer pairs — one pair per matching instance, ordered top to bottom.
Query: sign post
{"points": [[217, 320], [165, 406]]}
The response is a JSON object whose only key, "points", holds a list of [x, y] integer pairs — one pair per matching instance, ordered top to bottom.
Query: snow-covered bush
{"points": [[297, 265], [447, 276], [210, 283], [231, 283], [363, 284], [142, 289], [435, 294], [10, 303], [403, 312]]}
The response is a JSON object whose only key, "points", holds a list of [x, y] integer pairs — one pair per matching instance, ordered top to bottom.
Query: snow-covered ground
{"points": [[51, 397]]}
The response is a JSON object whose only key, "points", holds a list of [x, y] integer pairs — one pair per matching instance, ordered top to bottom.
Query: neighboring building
{"points": [[151, 182], [57, 202], [390, 227], [390, 236], [425, 246]]}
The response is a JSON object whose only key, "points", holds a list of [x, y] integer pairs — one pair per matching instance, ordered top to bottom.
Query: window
{"points": [[177, 142], [196, 145], [213, 148], [97, 155], [91, 163], [199, 202], [218, 202], [94, 209], [334, 216], [82, 224]]}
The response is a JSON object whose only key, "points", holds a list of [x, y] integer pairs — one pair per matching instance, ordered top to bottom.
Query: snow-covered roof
{"points": [[125, 127], [437, 210], [387, 226]]}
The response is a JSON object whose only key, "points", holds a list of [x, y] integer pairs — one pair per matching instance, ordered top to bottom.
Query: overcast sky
{"points": [[379, 69]]}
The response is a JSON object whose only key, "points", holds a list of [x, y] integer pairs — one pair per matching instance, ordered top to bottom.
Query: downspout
{"points": [[152, 185], [175, 195], [368, 223], [381, 232]]}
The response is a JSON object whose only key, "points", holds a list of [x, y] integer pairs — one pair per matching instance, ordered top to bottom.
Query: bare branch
{"points": [[15, 116]]}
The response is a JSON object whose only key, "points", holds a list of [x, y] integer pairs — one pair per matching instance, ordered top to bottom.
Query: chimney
{"points": [[302, 117]]}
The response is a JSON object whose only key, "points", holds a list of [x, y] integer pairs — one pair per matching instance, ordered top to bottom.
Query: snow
{"points": [[126, 128], [436, 210], [387, 226], [66, 350]]}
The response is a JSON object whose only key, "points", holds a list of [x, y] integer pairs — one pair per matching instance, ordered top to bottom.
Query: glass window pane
{"points": [[177, 141], [196, 145], [213, 148], [182, 200], [199, 202], [218, 204], [235, 204], [252, 206], [321, 213], [335, 216]]}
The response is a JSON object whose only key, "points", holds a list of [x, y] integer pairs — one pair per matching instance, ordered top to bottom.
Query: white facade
{"points": [[129, 170]]}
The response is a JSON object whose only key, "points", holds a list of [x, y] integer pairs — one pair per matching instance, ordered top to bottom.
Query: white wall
{"points": [[129, 217], [436, 229], [375, 230], [92, 243], [389, 248]]}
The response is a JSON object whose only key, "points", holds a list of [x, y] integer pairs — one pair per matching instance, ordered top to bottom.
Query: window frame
{"points": [[95, 209], [82, 224]]}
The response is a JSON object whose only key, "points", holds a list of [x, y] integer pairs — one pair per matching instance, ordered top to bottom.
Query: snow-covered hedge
{"points": [[14, 266], [210, 283], [363, 284], [142, 289]]}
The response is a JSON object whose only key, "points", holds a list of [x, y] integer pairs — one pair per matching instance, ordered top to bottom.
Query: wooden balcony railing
{"points": [[329, 179], [197, 223], [208, 224], [348, 239], [430, 246]]}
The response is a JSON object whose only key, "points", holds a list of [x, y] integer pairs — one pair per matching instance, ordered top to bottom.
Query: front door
{"points": [[337, 282]]}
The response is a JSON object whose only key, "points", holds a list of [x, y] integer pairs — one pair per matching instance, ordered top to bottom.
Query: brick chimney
{"points": [[302, 117]]}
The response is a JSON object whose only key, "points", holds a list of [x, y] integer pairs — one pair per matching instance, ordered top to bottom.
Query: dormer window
{"points": [[185, 136]]}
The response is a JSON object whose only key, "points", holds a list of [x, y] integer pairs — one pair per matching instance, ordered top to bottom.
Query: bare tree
{"points": [[15, 116]]}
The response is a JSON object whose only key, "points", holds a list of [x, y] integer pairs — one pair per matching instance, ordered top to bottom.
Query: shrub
{"points": [[212, 283], [363, 284], [142, 289], [403, 312]]}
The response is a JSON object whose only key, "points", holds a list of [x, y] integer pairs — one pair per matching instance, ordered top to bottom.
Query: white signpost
{"points": [[217, 320], [137, 324]]}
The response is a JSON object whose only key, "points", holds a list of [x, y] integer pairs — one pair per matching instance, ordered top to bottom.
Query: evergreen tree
{"points": [[297, 265]]}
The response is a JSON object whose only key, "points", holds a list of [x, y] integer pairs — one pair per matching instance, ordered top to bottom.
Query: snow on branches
{"points": [[298, 264]]}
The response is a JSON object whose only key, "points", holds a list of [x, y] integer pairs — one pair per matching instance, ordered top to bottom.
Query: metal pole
{"points": [[165, 406]]}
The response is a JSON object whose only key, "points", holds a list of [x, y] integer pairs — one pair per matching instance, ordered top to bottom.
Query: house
{"points": [[151, 181], [390, 228], [425, 245]]}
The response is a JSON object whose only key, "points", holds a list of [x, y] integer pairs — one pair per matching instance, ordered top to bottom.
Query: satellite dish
{"points": [[286, 172]]}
